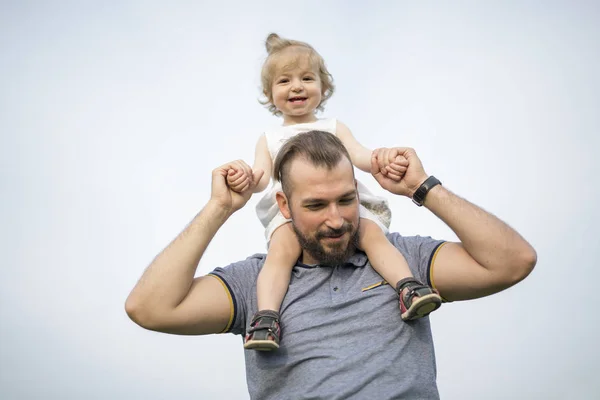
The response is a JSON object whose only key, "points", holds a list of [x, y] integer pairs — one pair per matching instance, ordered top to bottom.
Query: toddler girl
{"points": [[296, 84]]}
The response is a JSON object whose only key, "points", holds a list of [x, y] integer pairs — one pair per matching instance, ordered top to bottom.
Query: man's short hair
{"points": [[321, 149]]}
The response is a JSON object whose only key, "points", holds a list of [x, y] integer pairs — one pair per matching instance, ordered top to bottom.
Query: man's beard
{"points": [[337, 254]]}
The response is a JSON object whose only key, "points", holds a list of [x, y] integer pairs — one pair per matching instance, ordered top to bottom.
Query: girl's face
{"points": [[296, 90]]}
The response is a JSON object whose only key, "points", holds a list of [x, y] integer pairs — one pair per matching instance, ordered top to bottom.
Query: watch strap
{"points": [[420, 194]]}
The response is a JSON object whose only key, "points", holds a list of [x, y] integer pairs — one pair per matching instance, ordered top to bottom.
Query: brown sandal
{"points": [[418, 300], [264, 331]]}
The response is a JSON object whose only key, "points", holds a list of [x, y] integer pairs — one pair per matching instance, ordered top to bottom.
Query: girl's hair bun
{"points": [[274, 43]]}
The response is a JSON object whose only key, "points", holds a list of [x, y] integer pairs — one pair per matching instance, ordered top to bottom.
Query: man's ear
{"points": [[284, 205]]}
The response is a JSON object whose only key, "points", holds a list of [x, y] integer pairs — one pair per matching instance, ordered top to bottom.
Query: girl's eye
{"points": [[308, 78], [282, 81]]}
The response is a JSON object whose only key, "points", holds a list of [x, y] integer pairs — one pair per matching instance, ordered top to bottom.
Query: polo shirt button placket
{"points": [[336, 289]]}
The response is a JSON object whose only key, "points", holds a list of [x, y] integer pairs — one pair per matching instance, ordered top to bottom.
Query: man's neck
{"points": [[307, 259]]}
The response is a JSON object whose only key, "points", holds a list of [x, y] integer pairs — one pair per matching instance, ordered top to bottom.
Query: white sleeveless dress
{"points": [[372, 207]]}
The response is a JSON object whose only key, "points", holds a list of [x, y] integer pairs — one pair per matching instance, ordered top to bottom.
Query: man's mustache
{"points": [[335, 232]]}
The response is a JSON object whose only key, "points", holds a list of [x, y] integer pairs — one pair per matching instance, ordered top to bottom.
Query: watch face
{"points": [[418, 196]]}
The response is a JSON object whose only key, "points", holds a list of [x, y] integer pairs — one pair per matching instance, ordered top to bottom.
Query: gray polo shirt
{"points": [[342, 335]]}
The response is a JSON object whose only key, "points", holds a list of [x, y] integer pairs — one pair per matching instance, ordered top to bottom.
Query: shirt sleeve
{"points": [[420, 253], [239, 281]]}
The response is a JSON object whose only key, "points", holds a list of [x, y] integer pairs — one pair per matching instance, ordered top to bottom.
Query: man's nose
{"points": [[334, 218]]}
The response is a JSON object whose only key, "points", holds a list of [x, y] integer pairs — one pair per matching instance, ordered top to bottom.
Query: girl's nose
{"points": [[297, 86]]}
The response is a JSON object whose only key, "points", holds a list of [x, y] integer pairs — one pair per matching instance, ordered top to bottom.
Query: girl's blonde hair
{"points": [[275, 46]]}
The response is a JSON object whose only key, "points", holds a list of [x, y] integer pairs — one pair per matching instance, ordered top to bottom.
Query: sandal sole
{"points": [[422, 307], [261, 345]]}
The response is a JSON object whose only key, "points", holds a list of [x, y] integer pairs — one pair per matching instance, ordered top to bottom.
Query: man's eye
{"points": [[347, 201], [314, 207]]}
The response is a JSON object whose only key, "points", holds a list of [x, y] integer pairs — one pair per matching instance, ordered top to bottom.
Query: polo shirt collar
{"points": [[358, 259]]}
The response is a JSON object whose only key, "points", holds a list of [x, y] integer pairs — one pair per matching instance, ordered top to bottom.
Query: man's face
{"points": [[324, 209]]}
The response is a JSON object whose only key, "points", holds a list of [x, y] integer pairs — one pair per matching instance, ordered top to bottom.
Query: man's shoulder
{"points": [[397, 238], [415, 244], [255, 260], [249, 266]]}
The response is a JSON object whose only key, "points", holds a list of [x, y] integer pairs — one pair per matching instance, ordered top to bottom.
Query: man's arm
{"points": [[490, 257], [167, 298]]}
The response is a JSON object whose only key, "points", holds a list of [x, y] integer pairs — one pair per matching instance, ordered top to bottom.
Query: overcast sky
{"points": [[113, 115]]}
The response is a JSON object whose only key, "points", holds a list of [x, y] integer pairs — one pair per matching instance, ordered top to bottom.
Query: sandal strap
{"points": [[411, 282], [414, 288], [265, 314], [266, 319], [268, 325]]}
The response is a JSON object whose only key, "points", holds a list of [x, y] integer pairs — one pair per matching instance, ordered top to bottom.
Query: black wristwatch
{"points": [[419, 195]]}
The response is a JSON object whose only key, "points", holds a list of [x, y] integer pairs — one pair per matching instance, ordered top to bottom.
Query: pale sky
{"points": [[113, 115]]}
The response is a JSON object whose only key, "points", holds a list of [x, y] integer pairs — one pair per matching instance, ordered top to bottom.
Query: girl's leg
{"points": [[383, 256], [274, 277], [271, 287], [416, 300]]}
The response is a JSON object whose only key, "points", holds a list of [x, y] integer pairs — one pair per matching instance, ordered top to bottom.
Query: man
{"points": [[343, 336]]}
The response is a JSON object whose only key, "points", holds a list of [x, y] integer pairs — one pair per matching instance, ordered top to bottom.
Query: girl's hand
{"points": [[391, 163], [397, 168], [239, 178]]}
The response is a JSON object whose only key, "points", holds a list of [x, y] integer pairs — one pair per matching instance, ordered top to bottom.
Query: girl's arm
{"points": [[360, 155], [262, 160]]}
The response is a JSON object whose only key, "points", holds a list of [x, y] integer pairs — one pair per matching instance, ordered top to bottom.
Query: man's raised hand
{"points": [[386, 167], [233, 184]]}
